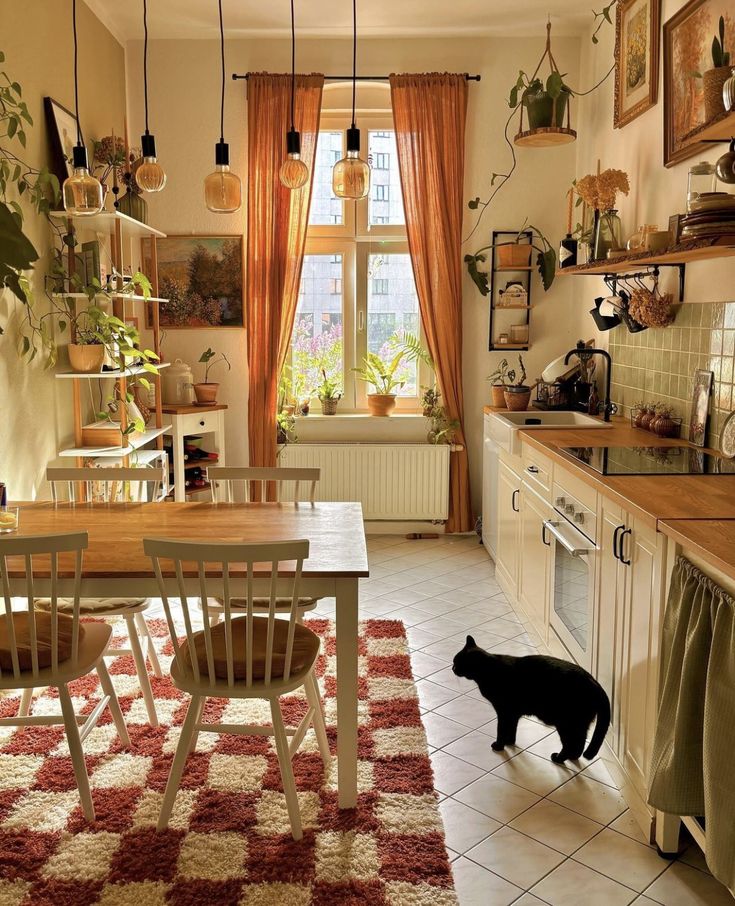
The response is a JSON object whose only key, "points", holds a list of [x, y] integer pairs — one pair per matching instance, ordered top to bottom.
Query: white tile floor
{"points": [[519, 828]]}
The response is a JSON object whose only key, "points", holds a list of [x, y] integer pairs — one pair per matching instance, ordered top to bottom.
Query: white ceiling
{"points": [[333, 18]]}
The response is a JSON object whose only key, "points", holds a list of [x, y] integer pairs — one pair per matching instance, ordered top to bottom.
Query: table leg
{"points": [[179, 467], [347, 598]]}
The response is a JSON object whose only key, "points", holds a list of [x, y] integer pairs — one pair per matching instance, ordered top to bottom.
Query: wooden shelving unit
{"points": [[721, 129], [122, 231], [684, 253], [524, 276]]}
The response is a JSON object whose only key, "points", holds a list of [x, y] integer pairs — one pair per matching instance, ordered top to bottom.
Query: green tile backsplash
{"points": [[658, 365]]}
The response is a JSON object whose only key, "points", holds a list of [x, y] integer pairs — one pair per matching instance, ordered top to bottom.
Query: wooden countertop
{"points": [[711, 539]]}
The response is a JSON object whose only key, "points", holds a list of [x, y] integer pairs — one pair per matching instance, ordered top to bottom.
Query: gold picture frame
{"points": [[637, 37]]}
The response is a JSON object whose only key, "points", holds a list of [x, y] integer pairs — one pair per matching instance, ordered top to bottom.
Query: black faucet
{"points": [[585, 353]]}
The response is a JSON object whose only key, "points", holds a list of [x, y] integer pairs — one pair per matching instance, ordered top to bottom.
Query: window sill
{"points": [[401, 427]]}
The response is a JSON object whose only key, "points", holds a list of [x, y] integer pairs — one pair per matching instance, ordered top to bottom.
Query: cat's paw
{"points": [[498, 746], [557, 758]]}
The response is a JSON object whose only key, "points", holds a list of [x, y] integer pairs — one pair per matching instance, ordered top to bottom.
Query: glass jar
{"points": [[702, 179], [608, 234], [638, 241]]}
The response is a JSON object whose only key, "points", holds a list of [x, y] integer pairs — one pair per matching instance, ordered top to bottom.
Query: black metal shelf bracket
{"points": [[653, 271]]}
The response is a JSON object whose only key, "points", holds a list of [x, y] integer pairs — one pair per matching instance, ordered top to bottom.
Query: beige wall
{"points": [[184, 115], [657, 364], [35, 411]]}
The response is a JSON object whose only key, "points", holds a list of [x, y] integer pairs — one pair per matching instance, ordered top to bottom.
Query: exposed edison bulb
{"points": [[293, 173], [150, 175], [351, 175], [222, 188], [82, 193]]}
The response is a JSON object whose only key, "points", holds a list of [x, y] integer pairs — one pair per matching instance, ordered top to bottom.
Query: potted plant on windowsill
{"points": [[384, 375], [500, 379], [206, 391], [329, 394], [517, 395], [430, 400]]}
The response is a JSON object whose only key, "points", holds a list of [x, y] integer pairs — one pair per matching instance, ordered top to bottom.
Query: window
{"points": [[357, 291]]}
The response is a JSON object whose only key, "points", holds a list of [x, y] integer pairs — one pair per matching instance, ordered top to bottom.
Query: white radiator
{"points": [[391, 481]]}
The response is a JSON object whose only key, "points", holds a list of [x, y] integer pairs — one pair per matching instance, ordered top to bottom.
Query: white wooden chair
{"points": [[224, 481], [111, 483], [52, 647], [249, 656]]}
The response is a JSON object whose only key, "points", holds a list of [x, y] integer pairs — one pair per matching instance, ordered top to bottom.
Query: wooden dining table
{"points": [[115, 564]]}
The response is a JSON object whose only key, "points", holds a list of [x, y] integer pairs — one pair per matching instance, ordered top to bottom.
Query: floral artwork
{"points": [[688, 53], [636, 58], [201, 279]]}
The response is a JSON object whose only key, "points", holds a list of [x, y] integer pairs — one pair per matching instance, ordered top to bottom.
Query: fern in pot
{"points": [[384, 375], [329, 393], [518, 394]]}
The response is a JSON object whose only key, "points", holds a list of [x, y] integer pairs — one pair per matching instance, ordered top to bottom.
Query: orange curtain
{"points": [[429, 112], [277, 221]]}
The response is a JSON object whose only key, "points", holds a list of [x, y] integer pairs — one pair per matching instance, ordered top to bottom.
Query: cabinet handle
{"points": [[202, 423], [533, 470], [513, 501], [543, 535], [616, 538], [622, 541]]}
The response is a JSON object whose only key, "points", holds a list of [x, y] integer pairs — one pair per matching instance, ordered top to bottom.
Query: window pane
{"points": [[386, 201], [326, 208], [392, 310], [317, 335]]}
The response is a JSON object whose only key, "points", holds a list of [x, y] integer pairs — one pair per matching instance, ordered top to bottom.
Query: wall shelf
{"points": [[721, 129], [105, 221], [684, 253], [523, 276], [125, 296], [511, 307], [518, 346], [104, 375], [144, 438]]}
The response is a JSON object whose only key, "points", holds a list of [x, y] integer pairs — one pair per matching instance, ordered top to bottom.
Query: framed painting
{"points": [[687, 53], [636, 58], [62, 128], [202, 279], [700, 406]]}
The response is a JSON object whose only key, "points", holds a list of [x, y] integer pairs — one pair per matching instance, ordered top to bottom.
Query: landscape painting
{"points": [[202, 279]]}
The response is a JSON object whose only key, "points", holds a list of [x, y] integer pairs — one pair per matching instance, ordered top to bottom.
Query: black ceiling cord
{"points": [[222, 52], [354, 57], [145, 62], [293, 64], [80, 138]]}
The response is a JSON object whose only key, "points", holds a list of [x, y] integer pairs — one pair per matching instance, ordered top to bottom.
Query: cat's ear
{"points": [[470, 642]]}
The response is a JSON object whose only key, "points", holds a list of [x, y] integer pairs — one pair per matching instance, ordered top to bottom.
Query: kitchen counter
{"points": [[711, 539]]}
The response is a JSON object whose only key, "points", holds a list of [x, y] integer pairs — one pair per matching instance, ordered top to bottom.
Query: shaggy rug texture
{"points": [[229, 841]]}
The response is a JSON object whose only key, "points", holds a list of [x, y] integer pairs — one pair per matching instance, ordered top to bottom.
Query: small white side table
{"points": [[194, 420]]}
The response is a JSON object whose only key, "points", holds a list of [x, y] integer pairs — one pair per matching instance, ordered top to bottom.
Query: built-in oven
{"points": [[572, 534]]}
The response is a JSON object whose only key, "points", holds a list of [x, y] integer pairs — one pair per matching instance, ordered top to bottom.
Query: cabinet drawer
{"points": [[194, 423], [537, 471]]}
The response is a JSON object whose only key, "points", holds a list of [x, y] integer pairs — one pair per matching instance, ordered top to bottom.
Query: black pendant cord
{"points": [[222, 54], [354, 58], [145, 62], [293, 65], [80, 137]]}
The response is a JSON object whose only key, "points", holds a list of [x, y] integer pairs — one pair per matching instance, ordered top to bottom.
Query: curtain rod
{"points": [[348, 78]]}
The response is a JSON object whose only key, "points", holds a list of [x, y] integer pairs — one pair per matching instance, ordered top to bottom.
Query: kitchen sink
{"points": [[503, 427]]}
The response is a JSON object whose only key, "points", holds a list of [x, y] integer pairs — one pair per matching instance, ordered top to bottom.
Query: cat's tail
{"points": [[601, 725]]}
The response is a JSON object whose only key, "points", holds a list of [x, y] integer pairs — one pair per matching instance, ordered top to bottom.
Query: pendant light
{"points": [[293, 173], [150, 175], [351, 175], [222, 188], [82, 193]]}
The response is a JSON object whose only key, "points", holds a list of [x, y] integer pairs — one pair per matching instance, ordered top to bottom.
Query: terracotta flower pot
{"points": [[714, 81], [514, 255], [86, 359], [206, 394], [498, 395], [517, 398], [381, 403]]}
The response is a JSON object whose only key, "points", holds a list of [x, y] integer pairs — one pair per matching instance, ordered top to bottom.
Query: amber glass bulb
{"points": [[293, 173], [150, 175], [351, 175], [223, 191], [82, 193]]}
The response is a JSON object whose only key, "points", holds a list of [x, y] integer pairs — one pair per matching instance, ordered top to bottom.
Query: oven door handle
{"points": [[572, 546]]}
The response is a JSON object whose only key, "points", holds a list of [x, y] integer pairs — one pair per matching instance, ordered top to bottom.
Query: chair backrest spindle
{"points": [[225, 479], [112, 480]]}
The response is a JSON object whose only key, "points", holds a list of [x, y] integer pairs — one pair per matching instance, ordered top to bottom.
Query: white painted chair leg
{"points": [[213, 618], [150, 648], [142, 671], [26, 698], [315, 700], [113, 704], [195, 732], [77, 753], [284, 762], [177, 766]]}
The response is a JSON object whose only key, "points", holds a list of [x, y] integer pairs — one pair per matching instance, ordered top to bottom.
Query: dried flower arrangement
{"points": [[600, 191], [652, 309]]}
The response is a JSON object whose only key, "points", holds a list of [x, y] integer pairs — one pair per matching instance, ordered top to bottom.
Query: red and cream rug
{"points": [[229, 840]]}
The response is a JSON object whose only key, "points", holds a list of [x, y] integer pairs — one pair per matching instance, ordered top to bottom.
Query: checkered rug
{"points": [[229, 840]]}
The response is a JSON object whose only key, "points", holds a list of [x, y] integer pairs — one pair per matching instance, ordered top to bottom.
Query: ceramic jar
{"points": [[176, 384]]}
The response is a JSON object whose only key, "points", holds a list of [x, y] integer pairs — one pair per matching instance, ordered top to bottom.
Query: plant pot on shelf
{"points": [[714, 82], [514, 255], [86, 358], [206, 394], [498, 396], [517, 398], [381, 403], [329, 407]]}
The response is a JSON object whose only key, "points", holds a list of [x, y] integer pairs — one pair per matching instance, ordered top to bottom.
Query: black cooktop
{"points": [[651, 460]]}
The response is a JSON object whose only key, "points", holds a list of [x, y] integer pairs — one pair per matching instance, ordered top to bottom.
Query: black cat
{"points": [[557, 692]]}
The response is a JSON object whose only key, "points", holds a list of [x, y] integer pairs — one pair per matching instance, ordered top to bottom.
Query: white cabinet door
{"points": [[489, 495], [507, 557], [534, 560], [643, 560]]}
